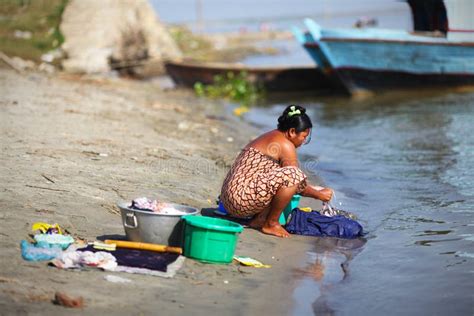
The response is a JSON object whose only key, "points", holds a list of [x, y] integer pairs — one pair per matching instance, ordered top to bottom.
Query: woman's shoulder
{"points": [[264, 139], [273, 144]]}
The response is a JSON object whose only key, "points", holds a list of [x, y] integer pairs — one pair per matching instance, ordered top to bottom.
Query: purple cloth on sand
{"points": [[158, 261]]}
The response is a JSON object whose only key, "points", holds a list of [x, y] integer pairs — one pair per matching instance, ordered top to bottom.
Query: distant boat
{"points": [[439, 53], [278, 78]]}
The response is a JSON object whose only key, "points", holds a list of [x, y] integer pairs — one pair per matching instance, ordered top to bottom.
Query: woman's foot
{"points": [[258, 221], [275, 229]]}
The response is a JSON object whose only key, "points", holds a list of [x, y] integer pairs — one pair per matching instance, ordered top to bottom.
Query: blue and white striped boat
{"points": [[374, 59]]}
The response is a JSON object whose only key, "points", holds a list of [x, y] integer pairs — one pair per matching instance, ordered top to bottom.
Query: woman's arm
{"points": [[289, 158], [319, 193]]}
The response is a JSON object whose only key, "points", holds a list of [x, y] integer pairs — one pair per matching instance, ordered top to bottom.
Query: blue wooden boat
{"points": [[374, 59]]}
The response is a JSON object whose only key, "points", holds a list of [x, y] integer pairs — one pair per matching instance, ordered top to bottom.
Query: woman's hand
{"points": [[317, 192], [325, 194]]}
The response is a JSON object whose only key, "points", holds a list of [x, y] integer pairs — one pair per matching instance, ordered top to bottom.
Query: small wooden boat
{"points": [[281, 78]]}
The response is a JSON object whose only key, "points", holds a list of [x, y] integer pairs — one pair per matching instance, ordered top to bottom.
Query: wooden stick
{"points": [[7, 60], [47, 178], [37, 187], [144, 246]]}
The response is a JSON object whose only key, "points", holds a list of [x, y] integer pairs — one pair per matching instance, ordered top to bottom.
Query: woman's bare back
{"points": [[273, 144]]}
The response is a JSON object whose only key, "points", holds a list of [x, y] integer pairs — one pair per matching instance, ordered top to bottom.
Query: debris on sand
{"points": [[67, 301]]}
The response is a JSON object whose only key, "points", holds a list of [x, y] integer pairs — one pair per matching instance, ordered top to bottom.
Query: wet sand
{"points": [[72, 147]]}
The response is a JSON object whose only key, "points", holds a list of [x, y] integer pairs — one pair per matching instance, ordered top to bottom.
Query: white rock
{"points": [[96, 31], [23, 34], [48, 58], [22, 63], [46, 68], [183, 126], [116, 279]]}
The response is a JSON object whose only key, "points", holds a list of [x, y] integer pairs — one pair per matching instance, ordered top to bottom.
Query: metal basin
{"points": [[150, 227]]}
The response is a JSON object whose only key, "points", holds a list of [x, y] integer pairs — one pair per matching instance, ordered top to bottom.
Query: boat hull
{"points": [[377, 59], [378, 64], [280, 79], [356, 80]]}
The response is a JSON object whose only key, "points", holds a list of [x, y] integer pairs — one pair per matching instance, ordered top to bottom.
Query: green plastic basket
{"points": [[295, 200], [210, 239]]}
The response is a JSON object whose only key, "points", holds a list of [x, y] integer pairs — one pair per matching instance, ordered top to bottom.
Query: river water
{"points": [[211, 16], [403, 162]]}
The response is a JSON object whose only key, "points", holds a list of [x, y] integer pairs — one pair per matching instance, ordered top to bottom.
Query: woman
{"points": [[265, 176]]}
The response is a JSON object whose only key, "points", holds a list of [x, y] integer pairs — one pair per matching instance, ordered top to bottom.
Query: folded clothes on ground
{"points": [[315, 224], [79, 259], [144, 259], [122, 260]]}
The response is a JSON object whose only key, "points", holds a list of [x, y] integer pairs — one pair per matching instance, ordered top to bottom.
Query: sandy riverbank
{"points": [[72, 147]]}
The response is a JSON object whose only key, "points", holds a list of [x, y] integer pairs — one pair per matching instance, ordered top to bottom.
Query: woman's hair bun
{"points": [[294, 116]]}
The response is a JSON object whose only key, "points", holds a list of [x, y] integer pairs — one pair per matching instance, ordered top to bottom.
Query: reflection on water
{"points": [[403, 162], [435, 232], [429, 242], [326, 247], [326, 265]]}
